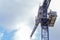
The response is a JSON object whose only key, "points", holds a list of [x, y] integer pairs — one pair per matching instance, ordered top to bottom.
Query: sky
{"points": [[17, 18]]}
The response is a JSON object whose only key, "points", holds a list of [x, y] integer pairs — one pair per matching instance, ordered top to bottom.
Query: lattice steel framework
{"points": [[42, 18]]}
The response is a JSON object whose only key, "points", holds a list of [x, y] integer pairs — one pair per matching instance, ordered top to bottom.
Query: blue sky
{"points": [[17, 18]]}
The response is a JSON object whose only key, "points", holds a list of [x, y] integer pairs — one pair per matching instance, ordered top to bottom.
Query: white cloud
{"points": [[14, 11], [23, 33]]}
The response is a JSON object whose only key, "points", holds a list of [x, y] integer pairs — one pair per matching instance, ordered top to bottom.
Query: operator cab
{"points": [[52, 18]]}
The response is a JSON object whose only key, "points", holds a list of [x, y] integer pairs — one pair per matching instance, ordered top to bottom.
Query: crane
{"points": [[46, 19]]}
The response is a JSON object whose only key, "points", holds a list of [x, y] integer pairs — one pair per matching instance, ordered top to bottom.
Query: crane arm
{"points": [[46, 4], [43, 8]]}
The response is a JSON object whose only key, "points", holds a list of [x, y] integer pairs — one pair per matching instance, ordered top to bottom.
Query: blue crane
{"points": [[46, 19]]}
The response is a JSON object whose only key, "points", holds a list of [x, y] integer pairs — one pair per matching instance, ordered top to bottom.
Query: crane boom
{"points": [[44, 6], [45, 22]]}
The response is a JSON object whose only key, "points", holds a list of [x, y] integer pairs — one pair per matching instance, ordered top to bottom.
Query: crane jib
{"points": [[46, 4], [45, 21]]}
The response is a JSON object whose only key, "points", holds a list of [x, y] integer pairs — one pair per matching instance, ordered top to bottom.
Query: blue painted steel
{"points": [[44, 21], [44, 33]]}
